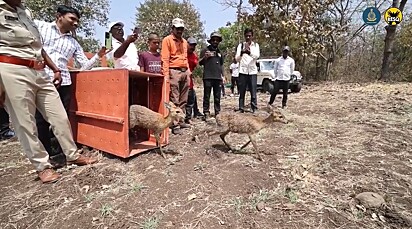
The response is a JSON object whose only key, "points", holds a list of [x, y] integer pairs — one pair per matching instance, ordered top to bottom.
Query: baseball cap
{"points": [[115, 23], [178, 23], [191, 41], [286, 48]]}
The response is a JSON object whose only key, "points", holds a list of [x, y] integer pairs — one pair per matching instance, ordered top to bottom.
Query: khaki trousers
{"points": [[179, 88], [27, 89]]}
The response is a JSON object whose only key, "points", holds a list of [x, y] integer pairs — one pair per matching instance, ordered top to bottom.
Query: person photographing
{"points": [[124, 52], [247, 54], [212, 60]]}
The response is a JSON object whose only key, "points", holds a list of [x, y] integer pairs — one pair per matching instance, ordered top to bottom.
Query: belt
{"points": [[34, 64], [179, 69]]}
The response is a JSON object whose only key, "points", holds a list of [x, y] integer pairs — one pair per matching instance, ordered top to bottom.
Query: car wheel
{"points": [[267, 86], [296, 88]]}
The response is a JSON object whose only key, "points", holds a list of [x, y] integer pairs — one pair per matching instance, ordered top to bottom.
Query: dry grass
{"points": [[343, 139]]}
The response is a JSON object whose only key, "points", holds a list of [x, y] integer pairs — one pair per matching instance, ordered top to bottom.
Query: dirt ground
{"points": [[343, 139]]}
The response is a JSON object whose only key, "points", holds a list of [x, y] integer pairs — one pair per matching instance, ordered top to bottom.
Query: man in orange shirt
{"points": [[175, 66]]}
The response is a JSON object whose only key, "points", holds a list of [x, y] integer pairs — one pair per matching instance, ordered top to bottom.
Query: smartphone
{"points": [[136, 30], [108, 40]]}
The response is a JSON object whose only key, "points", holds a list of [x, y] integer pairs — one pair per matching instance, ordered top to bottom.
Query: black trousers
{"points": [[247, 81], [234, 84], [280, 84], [208, 85], [222, 86], [191, 106], [4, 121], [43, 127]]}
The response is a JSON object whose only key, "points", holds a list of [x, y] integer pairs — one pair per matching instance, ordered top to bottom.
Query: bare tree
{"points": [[389, 40]]}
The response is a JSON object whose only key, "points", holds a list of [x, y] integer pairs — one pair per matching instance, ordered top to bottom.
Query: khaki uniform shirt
{"points": [[19, 36]]}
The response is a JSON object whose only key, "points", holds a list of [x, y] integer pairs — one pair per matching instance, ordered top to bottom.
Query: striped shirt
{"points": [[61, 48]]}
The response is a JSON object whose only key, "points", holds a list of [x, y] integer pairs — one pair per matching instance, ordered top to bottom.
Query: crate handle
{"points": [[99, 116]]}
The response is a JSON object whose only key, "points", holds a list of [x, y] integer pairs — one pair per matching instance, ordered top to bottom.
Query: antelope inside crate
{"points": [[147, 92], [99, 110]]}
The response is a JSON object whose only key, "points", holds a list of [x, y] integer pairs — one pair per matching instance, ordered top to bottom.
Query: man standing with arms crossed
{"points": [[60, 45], [246, 54], [175, 67]]}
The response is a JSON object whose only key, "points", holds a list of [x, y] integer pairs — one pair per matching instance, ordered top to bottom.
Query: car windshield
{"points": [[266, 65]]}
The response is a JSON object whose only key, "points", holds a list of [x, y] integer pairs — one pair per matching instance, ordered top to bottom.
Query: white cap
{"points": [[114, 23], [178, 23]]}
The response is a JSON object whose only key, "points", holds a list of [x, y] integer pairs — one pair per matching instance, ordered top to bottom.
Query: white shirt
{"points": [[60, 48], [130, 59], [247, 63], [284, 68], [235, 69]]}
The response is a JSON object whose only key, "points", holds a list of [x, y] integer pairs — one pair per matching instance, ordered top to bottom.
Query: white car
{"points": [[266, 73]]}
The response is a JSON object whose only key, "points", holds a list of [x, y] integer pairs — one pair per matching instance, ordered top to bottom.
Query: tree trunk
{"points": [[239, 27], [389, 40], [387, 53]]}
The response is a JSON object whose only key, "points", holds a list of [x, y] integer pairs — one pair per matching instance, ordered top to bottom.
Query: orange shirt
{"points": [[174, 54]]}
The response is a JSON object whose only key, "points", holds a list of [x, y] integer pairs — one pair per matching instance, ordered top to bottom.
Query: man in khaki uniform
{"points": [[24, 87]]}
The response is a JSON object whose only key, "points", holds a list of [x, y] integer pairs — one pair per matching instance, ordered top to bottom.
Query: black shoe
{"points": [[198, 114], [205, 116], [184, 125], [176, 130], [7, 135], [58, 161]]}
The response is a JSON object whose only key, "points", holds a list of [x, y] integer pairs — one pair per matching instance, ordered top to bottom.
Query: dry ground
{"points": [[343, 140]]}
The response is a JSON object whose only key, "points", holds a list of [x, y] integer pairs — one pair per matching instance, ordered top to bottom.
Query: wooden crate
{"points": [[99, 110]]}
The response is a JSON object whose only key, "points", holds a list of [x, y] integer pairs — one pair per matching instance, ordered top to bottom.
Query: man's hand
{"points": [[131, 38], [103, 51], [247, 51], [208, 54], [57, 80], [2, 96]]}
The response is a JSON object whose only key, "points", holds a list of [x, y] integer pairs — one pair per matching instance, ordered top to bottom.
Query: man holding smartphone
{"points": [[60, 45], [124, 51], [247, 54], [212, 60]]}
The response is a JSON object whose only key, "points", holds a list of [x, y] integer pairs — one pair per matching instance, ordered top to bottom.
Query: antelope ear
{"points": [[167, 105]]}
